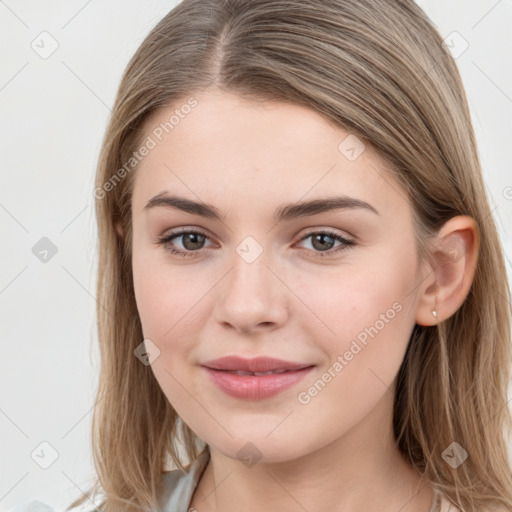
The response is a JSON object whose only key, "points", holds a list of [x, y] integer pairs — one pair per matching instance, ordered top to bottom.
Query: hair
{"points": [[378, 69]]}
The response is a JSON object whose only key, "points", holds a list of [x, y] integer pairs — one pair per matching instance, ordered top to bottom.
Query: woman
{"points": [[300, 288]]}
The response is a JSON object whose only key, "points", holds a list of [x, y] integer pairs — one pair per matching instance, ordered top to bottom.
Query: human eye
{"points": [[192, 242], [322, 242]]}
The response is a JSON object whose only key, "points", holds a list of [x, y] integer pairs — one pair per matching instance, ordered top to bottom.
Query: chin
{"points": [[259, 449]]}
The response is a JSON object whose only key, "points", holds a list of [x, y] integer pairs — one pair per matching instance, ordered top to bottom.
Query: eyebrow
{"points": [[283, 212]]}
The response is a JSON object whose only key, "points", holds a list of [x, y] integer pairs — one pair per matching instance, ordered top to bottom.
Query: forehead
{"points": [[228, 149]]}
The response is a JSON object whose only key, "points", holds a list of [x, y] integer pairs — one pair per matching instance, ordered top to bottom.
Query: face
{"points": [[331, 290]]}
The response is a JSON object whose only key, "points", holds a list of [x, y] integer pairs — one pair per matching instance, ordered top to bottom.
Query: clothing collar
{"points": [[178, 486]]}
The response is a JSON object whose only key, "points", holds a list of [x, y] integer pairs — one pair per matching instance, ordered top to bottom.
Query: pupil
{"points": [[195, 244], [322, 246]]}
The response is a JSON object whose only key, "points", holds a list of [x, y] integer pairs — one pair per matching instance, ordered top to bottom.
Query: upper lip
{"points": [[257, 364]]}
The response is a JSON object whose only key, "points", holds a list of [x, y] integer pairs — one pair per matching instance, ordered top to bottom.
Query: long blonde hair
{"points": [[378, 69]]}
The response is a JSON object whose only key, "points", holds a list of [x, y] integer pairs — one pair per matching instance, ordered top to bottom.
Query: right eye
{"points": [[191, 240]]}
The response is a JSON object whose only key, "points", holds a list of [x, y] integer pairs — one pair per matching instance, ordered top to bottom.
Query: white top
{"points": [[177, 488]]}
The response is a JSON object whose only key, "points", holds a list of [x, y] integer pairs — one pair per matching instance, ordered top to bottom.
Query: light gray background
{"points": [[53, 113]]}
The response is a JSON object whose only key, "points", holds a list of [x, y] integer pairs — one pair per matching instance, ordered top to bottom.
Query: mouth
{"points": [[257, 366], [254, 374], [255, 380]]}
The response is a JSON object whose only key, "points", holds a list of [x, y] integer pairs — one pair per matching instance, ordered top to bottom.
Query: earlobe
{"points": [[454, 255]]}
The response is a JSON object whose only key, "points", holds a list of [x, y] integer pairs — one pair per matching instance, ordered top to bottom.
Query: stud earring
{"points": [[434, 311]]}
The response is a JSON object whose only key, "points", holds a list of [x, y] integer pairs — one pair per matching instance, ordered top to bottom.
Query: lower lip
{"points": [[257, 387]]}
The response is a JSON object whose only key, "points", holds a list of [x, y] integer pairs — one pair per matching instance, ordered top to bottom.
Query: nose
{"points": [[251, 298]]}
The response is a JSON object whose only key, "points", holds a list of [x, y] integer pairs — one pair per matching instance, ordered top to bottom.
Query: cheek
{"points": [[166, 296], [166, 300], [346, 303], [370, 311], [363, 320]]}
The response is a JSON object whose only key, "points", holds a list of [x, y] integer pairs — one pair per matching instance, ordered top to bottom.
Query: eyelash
{"points": [[166, 242]]}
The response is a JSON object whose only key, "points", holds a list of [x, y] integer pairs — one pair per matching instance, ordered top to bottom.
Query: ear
{"points": [[119, 228], [450, 273]]}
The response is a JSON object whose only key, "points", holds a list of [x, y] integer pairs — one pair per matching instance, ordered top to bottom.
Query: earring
{"points": [[434, 311]]}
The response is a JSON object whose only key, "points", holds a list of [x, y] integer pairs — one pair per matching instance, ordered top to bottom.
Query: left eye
{"points": [[321, 239], [193, 241]]}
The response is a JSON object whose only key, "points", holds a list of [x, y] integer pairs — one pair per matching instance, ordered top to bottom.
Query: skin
{"points": [[293, 302]]}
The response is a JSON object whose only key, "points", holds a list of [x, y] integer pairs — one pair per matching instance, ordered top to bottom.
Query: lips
{"points": [[255, 379]]}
